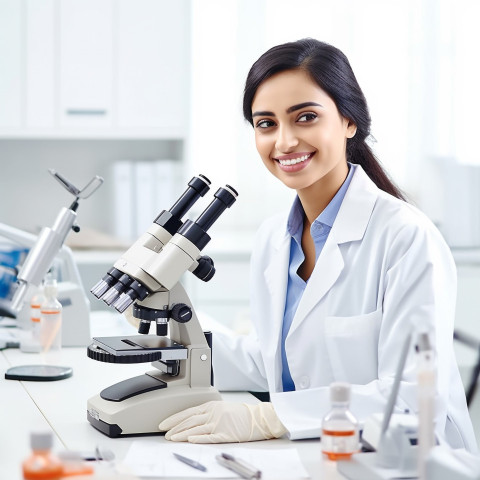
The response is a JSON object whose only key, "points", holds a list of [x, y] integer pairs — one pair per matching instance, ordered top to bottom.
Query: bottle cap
{"points": [[50, 288], [339, 392], [41, 440]]}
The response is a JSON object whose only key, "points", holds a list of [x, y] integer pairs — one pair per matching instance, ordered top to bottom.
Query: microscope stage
{"points": [[135, 349]]}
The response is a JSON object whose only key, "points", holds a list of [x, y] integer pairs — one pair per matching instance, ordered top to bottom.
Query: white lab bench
{"points": [[61, 406]]}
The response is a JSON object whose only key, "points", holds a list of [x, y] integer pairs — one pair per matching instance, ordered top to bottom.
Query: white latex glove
{"points": [[223, 422]]}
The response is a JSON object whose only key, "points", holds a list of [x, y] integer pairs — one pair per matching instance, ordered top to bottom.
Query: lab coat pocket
{"points": [[352, 346]]}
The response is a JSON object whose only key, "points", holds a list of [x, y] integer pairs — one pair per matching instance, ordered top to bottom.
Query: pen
{"points": [[190, 462], [240, 467]]}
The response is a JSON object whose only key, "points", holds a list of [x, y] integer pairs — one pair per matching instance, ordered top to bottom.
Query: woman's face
{"points": [[299, 133]]}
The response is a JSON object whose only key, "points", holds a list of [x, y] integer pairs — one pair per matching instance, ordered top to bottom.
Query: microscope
{"points": [[45, 249], [146, 279]]}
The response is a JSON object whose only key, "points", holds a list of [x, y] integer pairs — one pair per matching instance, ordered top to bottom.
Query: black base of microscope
{"points": [[132, 386]]}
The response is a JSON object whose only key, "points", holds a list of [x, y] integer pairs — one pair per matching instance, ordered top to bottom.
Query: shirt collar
{"points": [[328, 215]]}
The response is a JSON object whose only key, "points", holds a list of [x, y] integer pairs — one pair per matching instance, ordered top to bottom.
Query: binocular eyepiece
{"points": [[120, 290]]}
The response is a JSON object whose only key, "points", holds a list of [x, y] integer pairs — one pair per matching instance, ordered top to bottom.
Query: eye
{"points": [[307, 117], [265, 124]]}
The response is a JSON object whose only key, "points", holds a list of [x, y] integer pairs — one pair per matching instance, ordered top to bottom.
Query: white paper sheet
{"points": [[155, 459]]}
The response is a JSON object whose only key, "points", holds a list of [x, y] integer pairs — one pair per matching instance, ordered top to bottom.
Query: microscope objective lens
{"points": [[100, 288], [111, 296], [123, 302]]}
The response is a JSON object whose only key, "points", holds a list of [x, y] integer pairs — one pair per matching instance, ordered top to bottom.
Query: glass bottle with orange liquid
{"points": [[339, 427], [42, 464]]}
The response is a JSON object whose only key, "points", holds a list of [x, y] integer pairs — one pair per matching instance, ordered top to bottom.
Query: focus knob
{"points": [[206, 268], [181, 313]]}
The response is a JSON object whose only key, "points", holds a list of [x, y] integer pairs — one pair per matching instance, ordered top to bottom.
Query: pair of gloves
{"points": [[223, 422]]}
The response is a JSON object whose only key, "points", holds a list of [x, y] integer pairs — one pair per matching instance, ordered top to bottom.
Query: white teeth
{"points": [[294, 161]]}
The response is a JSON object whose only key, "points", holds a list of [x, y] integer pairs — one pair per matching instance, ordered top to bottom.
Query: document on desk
{"points": [[155, 459]]}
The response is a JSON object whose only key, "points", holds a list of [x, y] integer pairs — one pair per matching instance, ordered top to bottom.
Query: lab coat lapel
{"points": [[350, 225], [326, 272], [276, 276]]}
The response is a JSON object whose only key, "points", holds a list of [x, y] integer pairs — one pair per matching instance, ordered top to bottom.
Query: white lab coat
{"points": [[383, 267]]}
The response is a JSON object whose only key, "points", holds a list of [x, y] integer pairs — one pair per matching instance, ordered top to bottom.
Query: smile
{"points": [[293, 161]]}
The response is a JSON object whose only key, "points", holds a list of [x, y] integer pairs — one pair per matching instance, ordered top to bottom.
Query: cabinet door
{"points": [[10, 63], [86, 63], [153, 64], [40, 81]]}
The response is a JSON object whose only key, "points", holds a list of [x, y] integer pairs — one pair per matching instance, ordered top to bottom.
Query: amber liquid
{"points": [[337, 434], [42, 466]]}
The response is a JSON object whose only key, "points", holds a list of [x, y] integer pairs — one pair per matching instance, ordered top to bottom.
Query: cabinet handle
{"points": [[85, 111]]}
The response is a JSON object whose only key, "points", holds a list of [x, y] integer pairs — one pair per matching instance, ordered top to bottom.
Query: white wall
{"points": [[415, 61]]}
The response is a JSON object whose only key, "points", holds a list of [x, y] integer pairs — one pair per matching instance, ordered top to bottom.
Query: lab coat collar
{"points": [[356, 209], [353, 216], [349, 226]]}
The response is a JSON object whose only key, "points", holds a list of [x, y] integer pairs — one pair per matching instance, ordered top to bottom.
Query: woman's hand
{"points": [[223, 422]]}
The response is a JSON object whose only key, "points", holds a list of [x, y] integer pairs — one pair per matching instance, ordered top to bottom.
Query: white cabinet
{"points": [[10, 63], [86, 63], [93, 68], [153, 70], [39, 75]]}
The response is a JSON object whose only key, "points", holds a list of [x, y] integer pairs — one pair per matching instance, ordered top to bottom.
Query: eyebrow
{"points": [[291, 109]]}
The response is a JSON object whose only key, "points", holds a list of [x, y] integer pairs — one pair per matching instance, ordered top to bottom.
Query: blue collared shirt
{"points": [[319, 230]]}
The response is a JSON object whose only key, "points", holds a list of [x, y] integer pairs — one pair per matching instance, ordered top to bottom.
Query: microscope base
{"points": [[141, 414]]}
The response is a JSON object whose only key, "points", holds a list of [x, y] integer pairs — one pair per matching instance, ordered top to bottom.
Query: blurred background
{"points": [[147, 93]]}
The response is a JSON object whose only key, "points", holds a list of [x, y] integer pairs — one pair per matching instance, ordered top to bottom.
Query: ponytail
{"points": [[361, 154]]}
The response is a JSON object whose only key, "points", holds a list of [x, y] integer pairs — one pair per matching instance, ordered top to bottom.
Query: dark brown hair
{"points": [[331, 70]]}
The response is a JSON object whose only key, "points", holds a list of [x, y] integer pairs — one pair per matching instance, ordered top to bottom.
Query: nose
{"points": [[286, 139]]}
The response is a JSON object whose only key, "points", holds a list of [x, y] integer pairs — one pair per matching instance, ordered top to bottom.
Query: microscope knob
{"points": [[206, 268], [181, 312]]}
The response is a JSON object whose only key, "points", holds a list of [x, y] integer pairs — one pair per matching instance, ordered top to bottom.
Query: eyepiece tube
{"points": [[197, 187], [224, 198], [171, 220], [196, 231]]}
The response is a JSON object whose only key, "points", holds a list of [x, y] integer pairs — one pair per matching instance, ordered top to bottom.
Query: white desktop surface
{"points": [[61, 405]]}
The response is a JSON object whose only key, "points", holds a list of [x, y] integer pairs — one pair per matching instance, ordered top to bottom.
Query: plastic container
{"points": [[51, 318], [339, 427], [42, 464]]}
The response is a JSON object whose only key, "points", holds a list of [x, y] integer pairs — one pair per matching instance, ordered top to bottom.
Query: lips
{"points": [[293, 159]]}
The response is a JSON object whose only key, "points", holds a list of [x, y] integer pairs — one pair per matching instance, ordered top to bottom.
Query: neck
{"points": [[317, 196]]}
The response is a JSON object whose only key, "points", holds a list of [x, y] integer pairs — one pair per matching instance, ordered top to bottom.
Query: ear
{"points": [[351, 129]]}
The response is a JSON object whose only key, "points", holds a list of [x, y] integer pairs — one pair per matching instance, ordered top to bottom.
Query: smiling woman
{"points": [[337, 282]]}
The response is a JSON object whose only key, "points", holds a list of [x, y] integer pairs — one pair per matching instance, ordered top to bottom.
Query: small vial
{"points": [[35, 315], [51, 318], [339, 426], [42, 464]]}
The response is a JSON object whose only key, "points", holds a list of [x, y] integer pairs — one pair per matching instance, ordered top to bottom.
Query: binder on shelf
{"points": [[166, 174], [145, 187], [123, 200]]}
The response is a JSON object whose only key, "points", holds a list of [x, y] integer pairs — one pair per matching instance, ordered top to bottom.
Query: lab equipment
{"points": [[47, 248], [146, 278], [51, 318], [38, 373], [426, 402], [339, 438], [397, 451], [189, 461], [42, 463], [242, 468]]}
